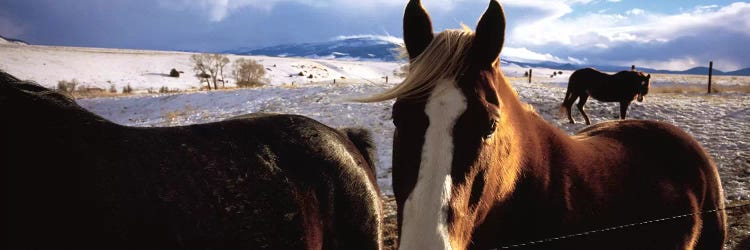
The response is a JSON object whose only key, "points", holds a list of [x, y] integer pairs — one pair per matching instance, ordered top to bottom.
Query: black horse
{"points": [[623, 87], [73, 180]]}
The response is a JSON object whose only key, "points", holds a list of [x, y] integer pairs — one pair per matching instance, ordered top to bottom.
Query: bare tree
{"points": [[221, 61], [200, 66], [209, 67], [248, 73]]}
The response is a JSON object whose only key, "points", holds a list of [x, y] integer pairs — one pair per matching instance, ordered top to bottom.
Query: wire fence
{"points": [[614, 228]]}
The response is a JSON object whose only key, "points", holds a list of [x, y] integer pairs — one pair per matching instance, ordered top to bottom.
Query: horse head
{"points": [[644, 82], [448, 117]]}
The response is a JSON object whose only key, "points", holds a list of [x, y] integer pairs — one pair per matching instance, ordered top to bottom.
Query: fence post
{"points": [[710, 72], [529, 75], [386, 79], [334, 81]]}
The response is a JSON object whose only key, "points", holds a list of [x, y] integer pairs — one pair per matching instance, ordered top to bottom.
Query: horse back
{"points": [[583, 79], [621, 87], [642, 156], [276, 181]]}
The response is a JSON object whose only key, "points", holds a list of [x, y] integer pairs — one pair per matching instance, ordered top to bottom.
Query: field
{"points": [[720, 121]]}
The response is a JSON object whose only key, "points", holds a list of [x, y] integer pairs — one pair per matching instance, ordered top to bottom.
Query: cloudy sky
{"points": [[659, 34]]}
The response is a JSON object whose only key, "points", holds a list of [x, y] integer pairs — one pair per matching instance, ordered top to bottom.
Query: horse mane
{"points": [[442, 59]]}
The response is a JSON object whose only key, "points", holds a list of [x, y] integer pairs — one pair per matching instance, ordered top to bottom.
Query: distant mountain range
{"points": [[11, 40], [372, 48], [385, 48]]}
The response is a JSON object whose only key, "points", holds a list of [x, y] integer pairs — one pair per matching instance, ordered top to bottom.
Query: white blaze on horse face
{"points": [[425, 212]]}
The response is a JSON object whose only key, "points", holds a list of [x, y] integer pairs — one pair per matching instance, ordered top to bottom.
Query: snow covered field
{"points": [[721, 122]]}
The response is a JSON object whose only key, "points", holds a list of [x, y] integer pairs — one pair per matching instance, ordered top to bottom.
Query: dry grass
{"points": [[701, 79], [695, 89], [84, 93], [92, 93], [173, 118], [390, 227]]}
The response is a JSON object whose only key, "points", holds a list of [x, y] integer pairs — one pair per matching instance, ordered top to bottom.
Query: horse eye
{"points": [[491, 129]]}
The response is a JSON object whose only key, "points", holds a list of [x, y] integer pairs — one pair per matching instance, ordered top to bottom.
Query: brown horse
{"points": [[623, 87], [473, 167], [73, 180]]}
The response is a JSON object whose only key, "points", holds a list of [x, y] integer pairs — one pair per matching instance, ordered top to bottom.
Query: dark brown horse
{"points": [[623, 87], [473, 167], [73, 180]]}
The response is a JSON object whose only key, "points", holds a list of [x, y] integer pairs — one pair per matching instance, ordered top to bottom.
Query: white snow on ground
{"points": [[144, 69], [720, 122]]}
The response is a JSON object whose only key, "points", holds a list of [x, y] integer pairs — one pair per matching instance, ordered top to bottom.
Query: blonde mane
{"points": [[442, 59]]}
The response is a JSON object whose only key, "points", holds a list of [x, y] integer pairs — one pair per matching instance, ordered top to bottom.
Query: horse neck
{"points": [[516, 116], [525, 134], [517, 139]]}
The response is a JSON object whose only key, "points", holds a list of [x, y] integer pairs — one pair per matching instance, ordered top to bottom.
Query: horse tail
{"points": [[567, 101], [362, 139]]}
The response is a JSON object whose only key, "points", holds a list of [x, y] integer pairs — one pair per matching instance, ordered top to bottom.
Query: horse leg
{"points": [[570, 98], [581, 102], [568, 105], [623, 109]]}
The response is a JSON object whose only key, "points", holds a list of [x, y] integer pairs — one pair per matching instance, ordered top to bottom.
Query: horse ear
{"points": [[417, 28], [490, 35], [648, 76]]}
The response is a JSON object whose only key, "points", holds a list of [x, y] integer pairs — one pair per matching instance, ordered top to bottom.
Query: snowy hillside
{"points": [[10, 41], [144, 69]]}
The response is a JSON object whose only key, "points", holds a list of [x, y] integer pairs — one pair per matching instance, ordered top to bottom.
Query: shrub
{"points": [[174, 73], [248, 73], [67, 86], [112, 89], [127, 89], [164, 89]]}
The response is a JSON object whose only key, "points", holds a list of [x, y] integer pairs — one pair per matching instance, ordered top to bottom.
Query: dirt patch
{"points": [[390, 229]]}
